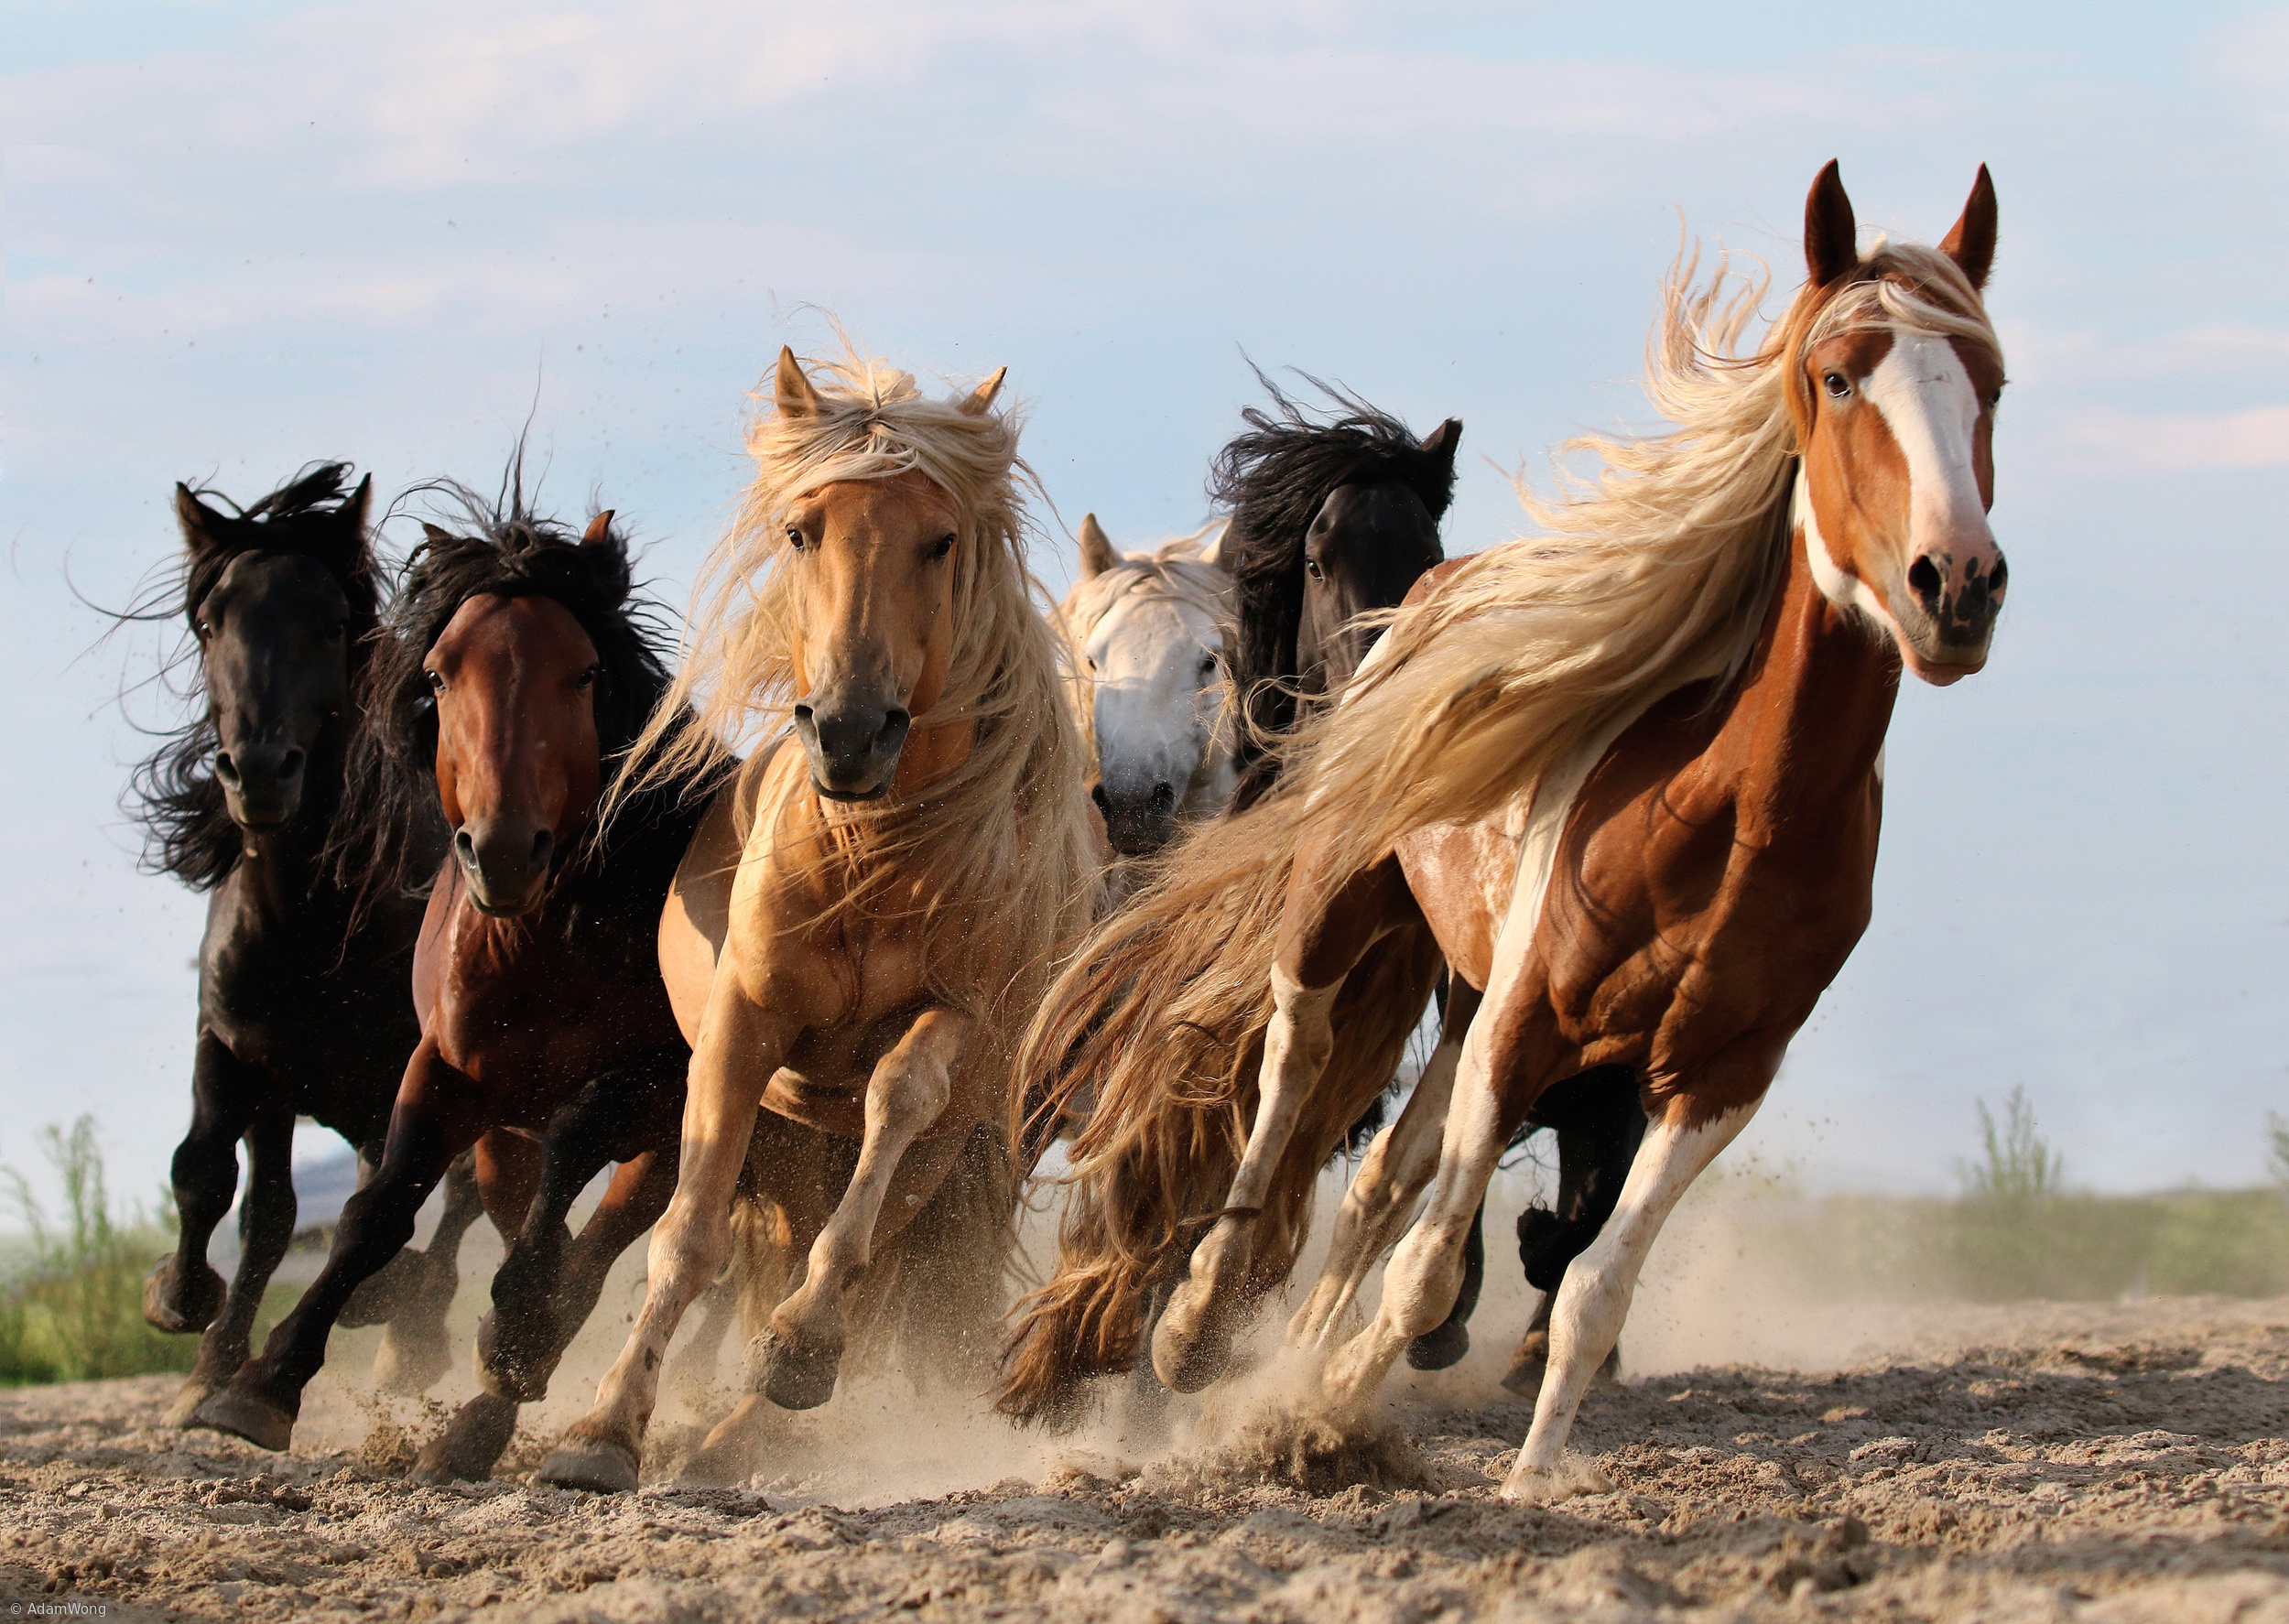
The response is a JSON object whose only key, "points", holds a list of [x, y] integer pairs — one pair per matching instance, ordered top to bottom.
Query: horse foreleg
{"points": [[741, 1042], [432, 1123], [1390, 1177], [265, 1228], [183, 1292], [1594, 1298], [797, 1357]]}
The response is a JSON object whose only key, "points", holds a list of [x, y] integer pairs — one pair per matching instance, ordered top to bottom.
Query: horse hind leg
{"points": [[1599, 1125], [1382, 1194], [265, 1228], [1593, 1300], [1192, 1344], [416, 1349], [794, 1363]]}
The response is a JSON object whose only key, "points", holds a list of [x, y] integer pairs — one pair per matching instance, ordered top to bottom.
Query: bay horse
{"points": [[1150, 635], [516, 669], [1630, 774], [869, 914], [302, 1008]]}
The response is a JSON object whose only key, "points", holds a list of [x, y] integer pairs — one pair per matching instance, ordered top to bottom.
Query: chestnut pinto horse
{"points": [[513, 673], [1630, 774], [867, 916], [302, 1006]]}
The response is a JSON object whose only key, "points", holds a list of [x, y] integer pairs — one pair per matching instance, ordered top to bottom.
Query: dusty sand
{"points": [[2033, 1462]]}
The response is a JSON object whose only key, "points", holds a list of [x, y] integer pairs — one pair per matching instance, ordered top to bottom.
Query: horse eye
{"points": [[1839, 386], [1995, 399], [794, 538], [939, 548], [1311, 568], [205, 628], [336, 631], [1207, 666], [586, 680], [436, 681]]}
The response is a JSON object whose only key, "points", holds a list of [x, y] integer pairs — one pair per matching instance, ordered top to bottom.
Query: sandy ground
{"points": [[2119, 1462]]}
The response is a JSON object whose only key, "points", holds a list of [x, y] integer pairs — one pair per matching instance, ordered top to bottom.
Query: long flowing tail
{"points": [[1160, 1019]]}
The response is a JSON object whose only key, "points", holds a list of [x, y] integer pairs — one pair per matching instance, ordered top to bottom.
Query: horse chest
{"points": [[525, 1007]]}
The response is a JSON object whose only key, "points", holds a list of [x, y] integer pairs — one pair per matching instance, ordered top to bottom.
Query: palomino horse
{"points": [[1150, 636], [514, 672], [1631, 773], [867, 918], [303, 1005]]}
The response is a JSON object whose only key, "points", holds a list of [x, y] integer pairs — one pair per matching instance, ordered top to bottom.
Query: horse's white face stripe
{"points": [[1931, 406], [1838, 586]]}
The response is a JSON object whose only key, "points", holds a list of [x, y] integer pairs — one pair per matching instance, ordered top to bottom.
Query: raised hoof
{"points": [[383, 1293], [177, 1308], [1440, 1350], [412, 1357], [1188, 1363], [1525, 1375], [504, 1376], [791, 1376], [184, 1412], [261, 1422], [471, 1444], [593, 1463]]}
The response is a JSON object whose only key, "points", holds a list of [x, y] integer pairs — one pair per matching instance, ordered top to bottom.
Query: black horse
{"points": [[1332, 519], [515, 671], [304, 1003]]}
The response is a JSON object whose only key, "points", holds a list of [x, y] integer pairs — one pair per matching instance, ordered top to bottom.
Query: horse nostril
{"points": [[1923, 576], [1998, 576], [893, 732], [291, 766], [224, 767], [1098, 795], [1163, 798], [543, 843], [465, 849]]}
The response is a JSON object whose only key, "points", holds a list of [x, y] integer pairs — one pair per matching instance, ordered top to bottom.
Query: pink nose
{"points": [[1961, 588]]}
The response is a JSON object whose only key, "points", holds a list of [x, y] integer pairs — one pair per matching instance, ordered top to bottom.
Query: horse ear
{"points": [[1831, 236], [1971, 243], [792, 390], [981, 399], [1442, 442], [355, 511], [203, 526], [599, 530], [435, 536], [1098, 552], [1212, 555]]}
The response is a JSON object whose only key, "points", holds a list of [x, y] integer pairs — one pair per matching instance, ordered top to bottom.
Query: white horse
{"points": [[1148, 631]]}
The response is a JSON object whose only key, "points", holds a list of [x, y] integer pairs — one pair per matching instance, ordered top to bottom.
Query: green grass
{"points": [[71, 1306]]}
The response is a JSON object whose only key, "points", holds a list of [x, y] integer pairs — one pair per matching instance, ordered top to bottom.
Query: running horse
{"points": [[514, 670], [1630, 774], [868, 915], [302, 1008]]}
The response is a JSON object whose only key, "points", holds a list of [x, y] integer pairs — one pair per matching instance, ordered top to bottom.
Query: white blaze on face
{"points": [[1931, 406], [1158, 693]]}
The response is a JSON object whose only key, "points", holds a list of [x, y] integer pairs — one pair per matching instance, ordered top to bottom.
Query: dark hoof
{"points": [[388, 1290], [174, 1307], [1440, 1349], [412, 1355], [506, 1375], [1525, 1375], [791, 1377], [184, 1411], [261, 1422], [470, 1446], [591, 1464]]}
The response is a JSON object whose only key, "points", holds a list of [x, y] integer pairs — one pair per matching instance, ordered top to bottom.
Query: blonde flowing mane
{"points": [[1652, 574], [997, 851]]}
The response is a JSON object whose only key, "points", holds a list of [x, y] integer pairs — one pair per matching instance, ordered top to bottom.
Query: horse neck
{"points": [[1815, 701]]}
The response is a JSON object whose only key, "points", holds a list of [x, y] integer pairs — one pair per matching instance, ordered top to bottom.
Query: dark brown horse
{"points": [[514, 671], [1627, 777], [303, 1007]]}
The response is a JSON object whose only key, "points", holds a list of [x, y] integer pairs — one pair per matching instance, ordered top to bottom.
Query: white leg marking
{"points": [[1594, 1298]]}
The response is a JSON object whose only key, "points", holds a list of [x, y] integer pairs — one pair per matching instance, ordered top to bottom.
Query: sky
{"points": [[238, 237]]}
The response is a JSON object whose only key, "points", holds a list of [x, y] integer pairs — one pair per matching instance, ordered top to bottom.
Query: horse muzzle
{"points": [[1952, 606], [853, 746], [262, 784], [1138, 822], [506, 864]]}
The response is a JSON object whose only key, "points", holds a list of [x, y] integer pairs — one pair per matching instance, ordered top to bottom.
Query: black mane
{"points": [[1274, 478], [505, 550], [174, 793]]}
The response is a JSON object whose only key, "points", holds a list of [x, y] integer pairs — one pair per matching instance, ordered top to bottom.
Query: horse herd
{"points": [[1173, 873]]}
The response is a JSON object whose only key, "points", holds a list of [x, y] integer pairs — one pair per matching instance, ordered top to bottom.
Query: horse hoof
{"points": [[180, 1307], [1440, 1350], [413, 1357], [1188, 1361], [504, 1375], [1525, 1375], [791, 1376], [182, 1413], [260, 1420], [471, 1444], [727, 1458], [593, 1463], [1543, 1486]]}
